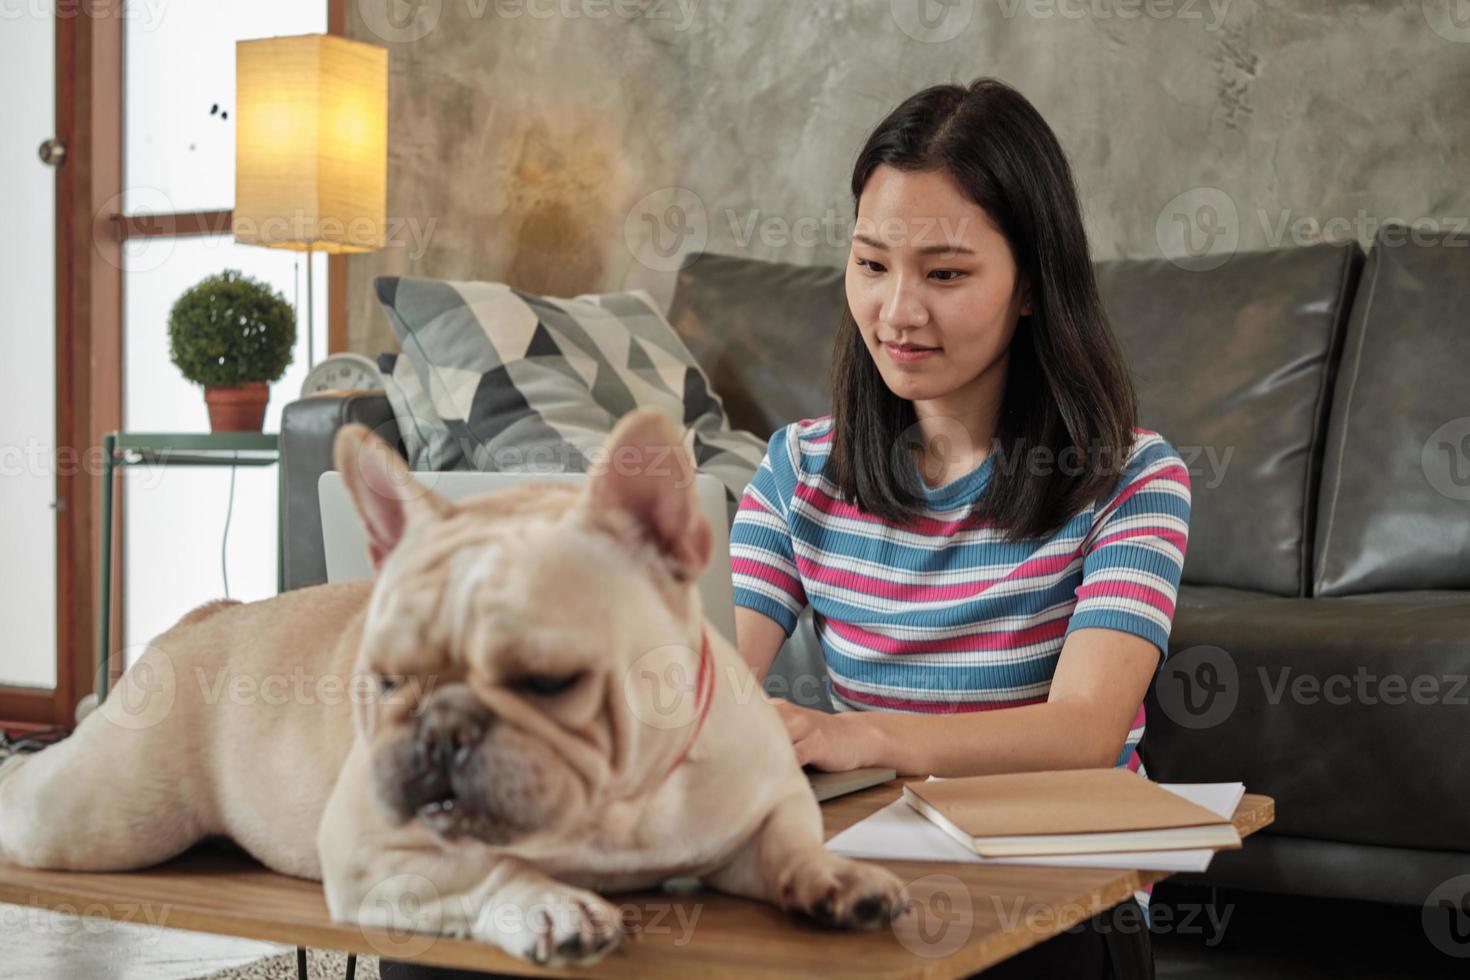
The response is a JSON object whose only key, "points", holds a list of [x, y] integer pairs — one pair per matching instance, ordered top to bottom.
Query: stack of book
{"points": [[1077, 811]]}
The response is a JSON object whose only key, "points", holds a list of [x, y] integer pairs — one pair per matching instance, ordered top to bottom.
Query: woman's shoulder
{"points": [[805, 439], [1150, 447], [795, 451], [1152, 457]]}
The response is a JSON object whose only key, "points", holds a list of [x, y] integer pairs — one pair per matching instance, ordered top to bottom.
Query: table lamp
{"points": [[311, 147]]}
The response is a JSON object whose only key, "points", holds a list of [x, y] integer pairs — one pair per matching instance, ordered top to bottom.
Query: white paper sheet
{"points": [[900, 833]]}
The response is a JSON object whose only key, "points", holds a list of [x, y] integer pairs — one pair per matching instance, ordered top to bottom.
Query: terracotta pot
{"points": [[237, 409]]}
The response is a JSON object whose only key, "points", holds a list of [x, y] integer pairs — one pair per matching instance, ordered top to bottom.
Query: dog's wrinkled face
{"points": [[501, 631]]}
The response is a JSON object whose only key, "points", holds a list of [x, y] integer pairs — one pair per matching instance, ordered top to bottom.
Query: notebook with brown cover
{"points": [[1074, 811]]}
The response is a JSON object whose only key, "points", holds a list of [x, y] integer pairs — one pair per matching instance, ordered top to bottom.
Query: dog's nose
{"points": [[453, 726], [448, 744]]}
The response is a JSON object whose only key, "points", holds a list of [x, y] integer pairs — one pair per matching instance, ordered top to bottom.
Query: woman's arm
{"points": [[766, 584], [759, 638], [1100, 681]]}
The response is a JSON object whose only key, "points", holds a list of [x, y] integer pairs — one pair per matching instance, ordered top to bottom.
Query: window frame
{"points": [[89, 340]]}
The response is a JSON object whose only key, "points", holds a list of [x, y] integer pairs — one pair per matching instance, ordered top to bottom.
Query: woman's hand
{"points": [[832, 743]]}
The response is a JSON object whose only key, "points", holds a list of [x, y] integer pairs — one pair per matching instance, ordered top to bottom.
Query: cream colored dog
{"points": [[525, 708]]}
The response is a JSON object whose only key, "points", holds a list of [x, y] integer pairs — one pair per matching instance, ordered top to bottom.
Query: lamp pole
{"points": [[310, 315]]}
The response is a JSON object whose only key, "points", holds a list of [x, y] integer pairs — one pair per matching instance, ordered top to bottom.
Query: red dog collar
{"points": [[704, 689]]}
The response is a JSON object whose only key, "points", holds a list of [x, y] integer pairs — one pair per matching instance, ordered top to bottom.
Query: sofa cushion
{"points": [[764, 332], [1234, 367], [534, 384], [1395, 495], [1350, 712], [1270, 862]]}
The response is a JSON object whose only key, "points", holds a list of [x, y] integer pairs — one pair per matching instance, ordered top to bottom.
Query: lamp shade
{"points": [[311, 143]]}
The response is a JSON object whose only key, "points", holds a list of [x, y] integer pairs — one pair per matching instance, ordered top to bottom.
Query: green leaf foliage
{"points": [[229, 329]]}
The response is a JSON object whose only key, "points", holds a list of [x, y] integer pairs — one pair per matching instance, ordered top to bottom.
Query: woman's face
{"points": [[929, 270]]}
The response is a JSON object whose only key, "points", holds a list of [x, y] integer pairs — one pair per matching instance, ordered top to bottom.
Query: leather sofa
{"points": [[1321, 641]]}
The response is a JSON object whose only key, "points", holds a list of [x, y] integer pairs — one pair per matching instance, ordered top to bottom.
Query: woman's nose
{"points": [[903, 307]]}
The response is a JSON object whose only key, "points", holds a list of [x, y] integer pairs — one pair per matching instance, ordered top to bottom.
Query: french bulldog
{"points": [[525, 708]]}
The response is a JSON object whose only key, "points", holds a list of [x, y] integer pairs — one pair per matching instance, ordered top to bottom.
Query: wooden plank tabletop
{"points": [[966, 916]]}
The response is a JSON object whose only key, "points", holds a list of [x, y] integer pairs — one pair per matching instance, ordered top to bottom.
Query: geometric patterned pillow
{"points": [[511, 382], [425, 436]]}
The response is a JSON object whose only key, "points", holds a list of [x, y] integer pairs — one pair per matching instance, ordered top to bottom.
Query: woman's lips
{"points": [[908, 354]]}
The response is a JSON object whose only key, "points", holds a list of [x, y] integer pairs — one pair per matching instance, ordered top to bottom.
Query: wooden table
{"points": [[966, 916]]}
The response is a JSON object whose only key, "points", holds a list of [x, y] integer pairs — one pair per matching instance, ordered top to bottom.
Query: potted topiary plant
{"points": [[232, 334]]}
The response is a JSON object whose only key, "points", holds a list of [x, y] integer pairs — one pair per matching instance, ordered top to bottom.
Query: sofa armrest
{"points": [[308, 427]]}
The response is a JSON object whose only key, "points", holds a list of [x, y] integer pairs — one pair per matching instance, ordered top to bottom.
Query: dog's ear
{"points": [[646, 473], [383, 488]]}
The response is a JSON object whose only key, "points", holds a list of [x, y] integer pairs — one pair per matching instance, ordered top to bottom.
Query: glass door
{"points": [[29, 461]]}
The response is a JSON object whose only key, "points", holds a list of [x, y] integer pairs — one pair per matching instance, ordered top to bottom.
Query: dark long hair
{"points": [[1067, 386]]}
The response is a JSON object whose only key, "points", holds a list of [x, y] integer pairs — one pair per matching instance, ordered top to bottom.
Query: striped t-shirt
{"points": [[943, 615]]}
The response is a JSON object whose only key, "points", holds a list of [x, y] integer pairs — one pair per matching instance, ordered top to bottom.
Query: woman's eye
{"points": [[869, 265], [953, 274], [388, 683], [547, 684]]}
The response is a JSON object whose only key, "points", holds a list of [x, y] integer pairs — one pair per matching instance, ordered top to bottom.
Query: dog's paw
{"points": [[845, 894], [552, 925]]}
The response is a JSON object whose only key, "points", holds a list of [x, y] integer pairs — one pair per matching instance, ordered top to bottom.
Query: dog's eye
{"points": [[388, 683], [547, 684]]}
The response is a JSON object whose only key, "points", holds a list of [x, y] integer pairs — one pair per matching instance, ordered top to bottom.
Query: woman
{"points": [[990, 545]]}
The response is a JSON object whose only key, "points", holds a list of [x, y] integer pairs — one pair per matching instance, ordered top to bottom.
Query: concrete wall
{"points": [[571, 146]]}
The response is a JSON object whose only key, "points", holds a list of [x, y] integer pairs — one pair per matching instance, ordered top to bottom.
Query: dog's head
{"points": [[503, 630]]}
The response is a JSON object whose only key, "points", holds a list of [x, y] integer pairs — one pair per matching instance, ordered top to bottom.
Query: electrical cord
{"points": [[225, 539]]}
